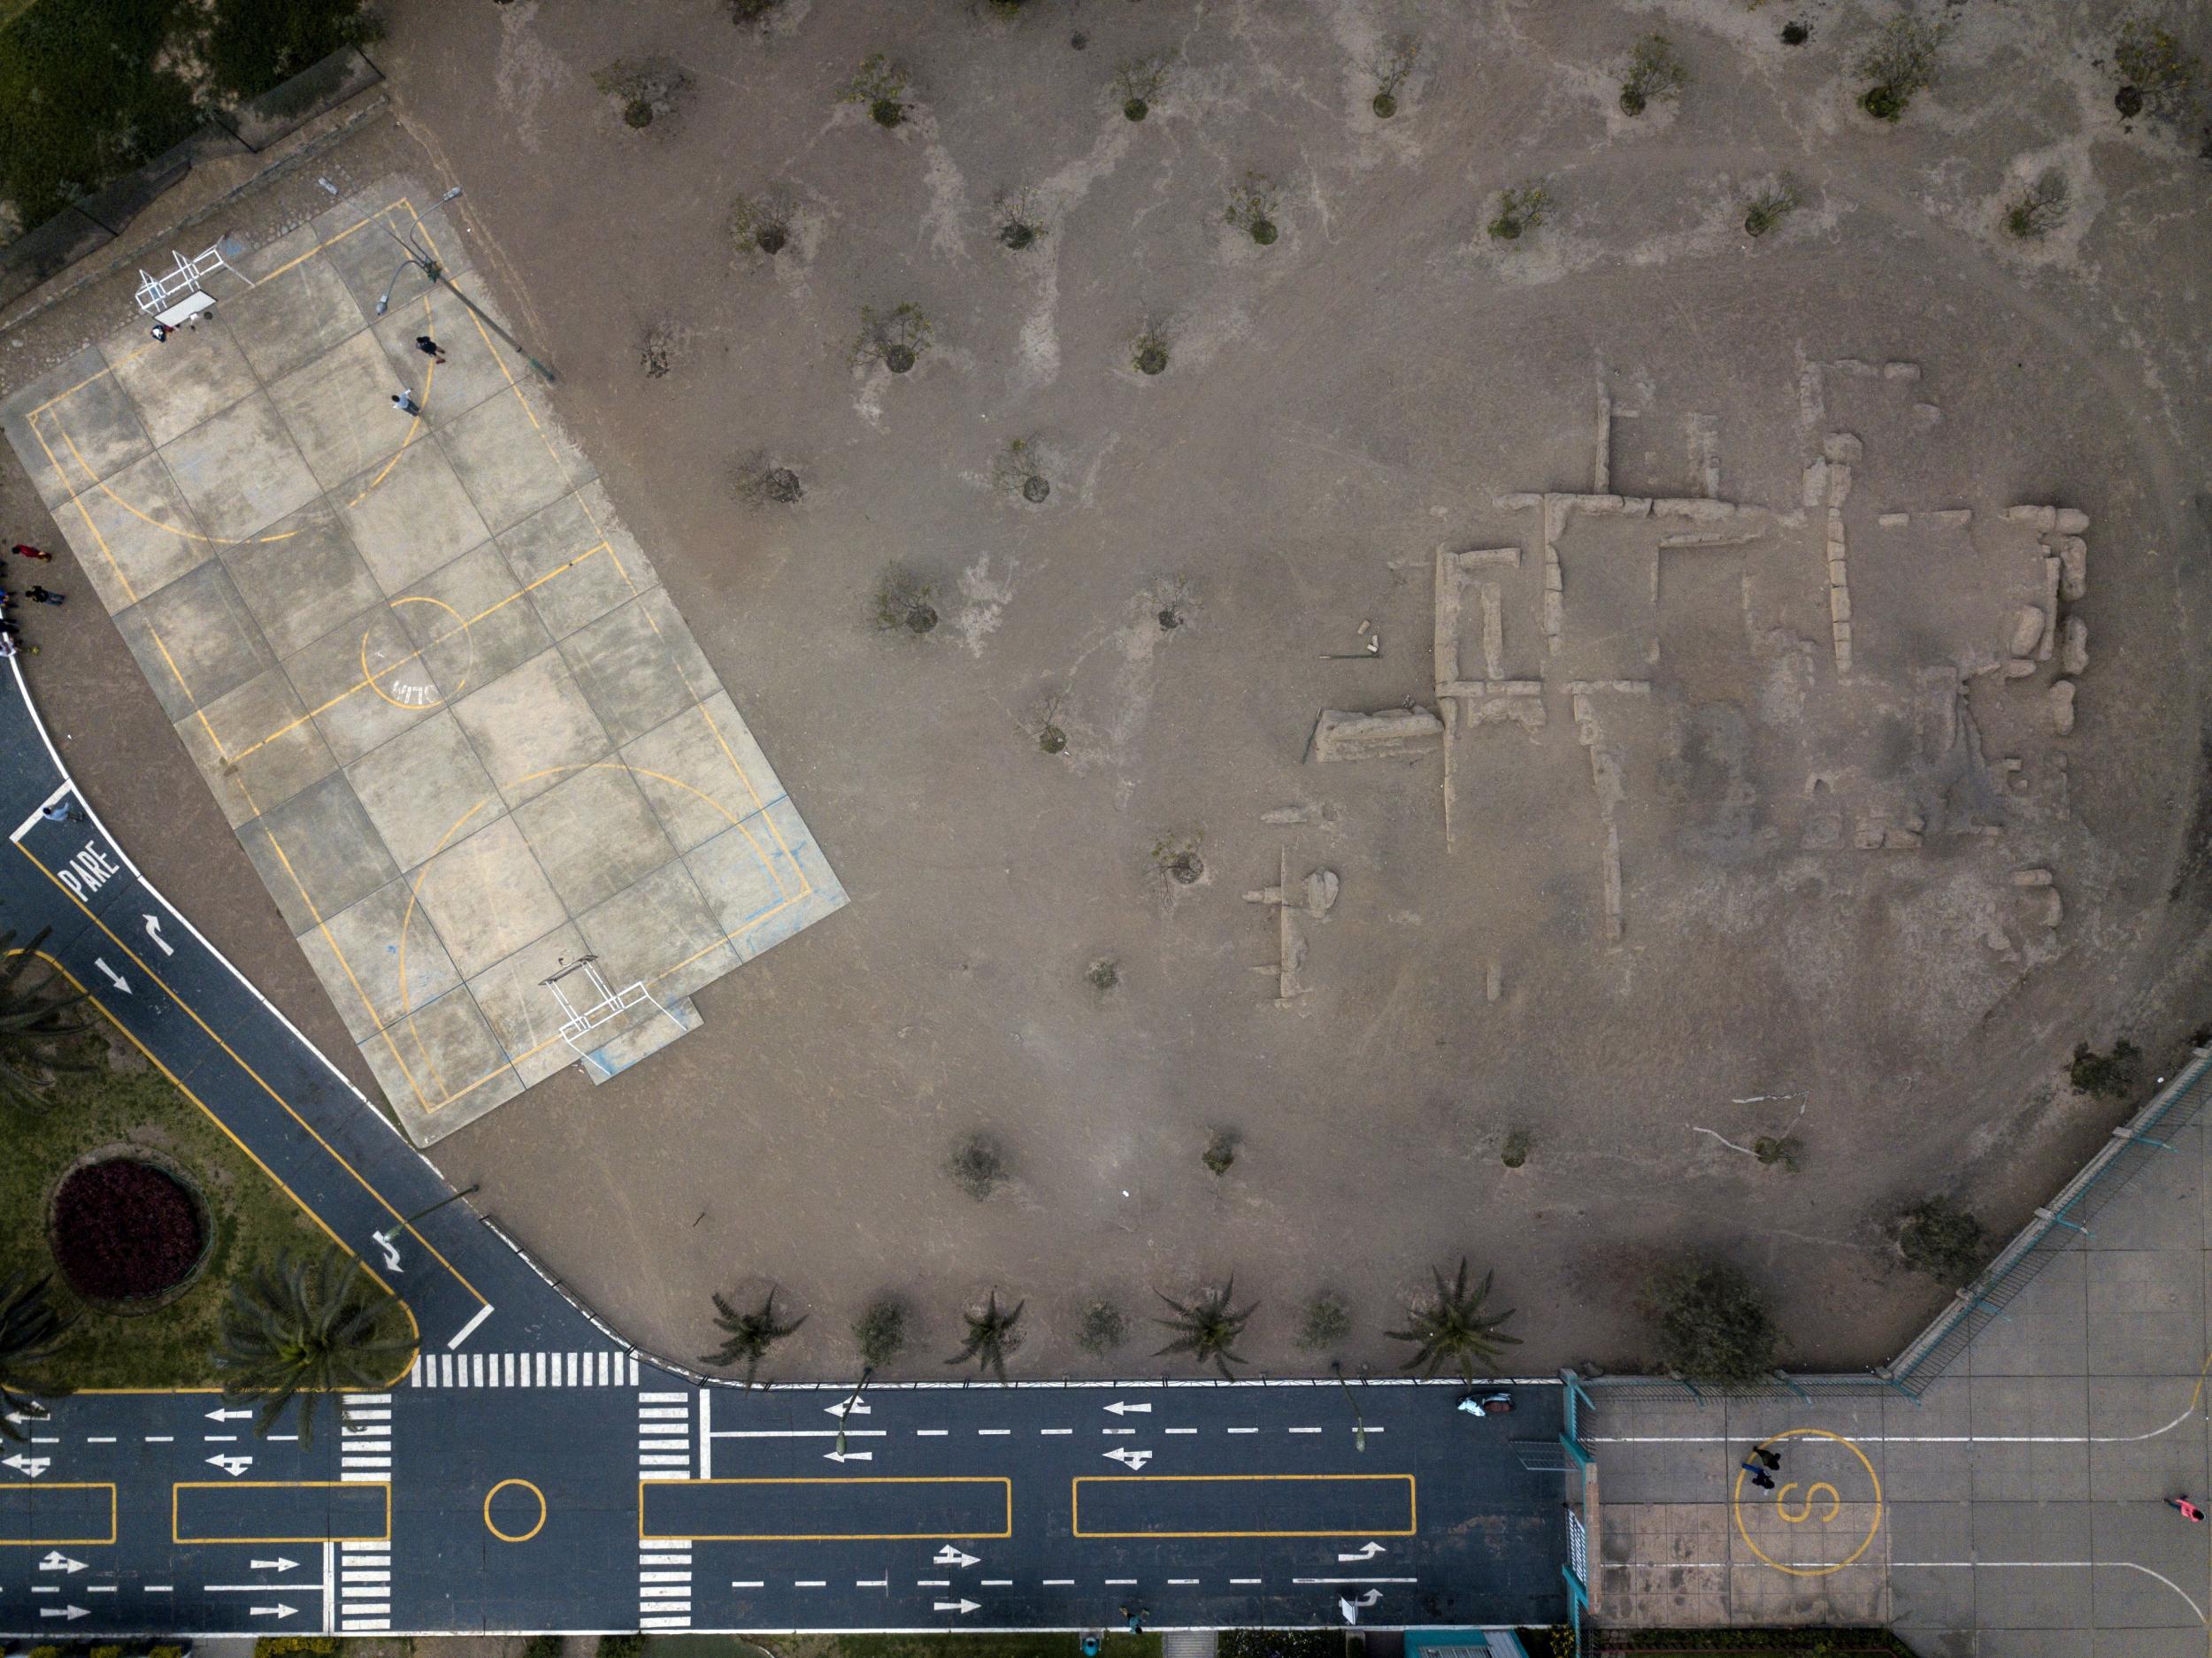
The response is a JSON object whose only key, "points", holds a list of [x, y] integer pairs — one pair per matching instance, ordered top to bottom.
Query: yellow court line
{"points": [[368, 682], [323, 928], [193, 1014], [276, 1180], [1005, 1485], [108, 1486], [1075, 1503], [176, 1505], [1873, 1525], [514, 1537]]}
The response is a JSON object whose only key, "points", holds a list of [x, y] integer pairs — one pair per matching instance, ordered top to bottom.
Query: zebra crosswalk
{"points": [[597, 1368], [664, 1452], [365, 1569]]}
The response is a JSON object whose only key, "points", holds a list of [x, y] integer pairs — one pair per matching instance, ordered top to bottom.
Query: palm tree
{"points": [[33, 1020], [306, 1323], [1207, 1327], [1454, 1328], [30, 1331], [751, 1334], [991, 1337]]}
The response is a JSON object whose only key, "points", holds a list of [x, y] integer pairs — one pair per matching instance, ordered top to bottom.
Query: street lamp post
{"points": [[435, 272], [384, 1238], [851, 1405], [1359, 1423]]}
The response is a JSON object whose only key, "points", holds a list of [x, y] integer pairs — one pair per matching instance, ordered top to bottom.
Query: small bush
{"points": [[744, 11], [1796, 34], [1900, 60], [2152, 64], [1390, 69], [1654, 71], [1137, 81], [880, 86], [647, 88], [1252, 206], [1521, 208], [1769, 208], [2039, 209], [1020, 222], [762, 224], [896, 338], [663, 345], [1147, 353], [1019, 471], [763, 482], [905, 600], [1176, 856], [1102, 974], [2106, 1076], [1518, 1143], [1786, 1149], [1220, 1153], [977, 1166], [1937, 1237], [1325, 1323], [1713, 1327], [1102, 1328], [879, 1333], [1281, 1643], [621, 1645], [542, 1647]]}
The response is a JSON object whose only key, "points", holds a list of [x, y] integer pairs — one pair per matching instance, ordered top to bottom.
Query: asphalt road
{"points": [[534, 1473]]}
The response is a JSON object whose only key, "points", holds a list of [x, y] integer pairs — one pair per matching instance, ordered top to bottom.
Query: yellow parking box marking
{"points": [[371, 1498], [1375, 1500], [985, 1502], [70, 1523]]}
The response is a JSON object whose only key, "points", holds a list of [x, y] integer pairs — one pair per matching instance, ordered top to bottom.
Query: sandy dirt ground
{"points": [[1338, 406]]}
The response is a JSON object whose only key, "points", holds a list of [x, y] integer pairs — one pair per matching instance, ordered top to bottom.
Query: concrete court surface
{"points": [[435, 687], [2015, 1511]]}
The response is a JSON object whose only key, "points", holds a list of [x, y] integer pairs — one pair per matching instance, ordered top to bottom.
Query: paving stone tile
{"points": [[239, 470], [532, 727], [424, 790], [594, 834], [318, 853], [487, 897]]}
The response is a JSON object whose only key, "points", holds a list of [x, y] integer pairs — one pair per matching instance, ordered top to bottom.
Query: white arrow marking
{"points": [[153, 931], [114, 977], [391, 1252], [849, 1407], [1119, 1408], [220, 1415], [850, 1456], [1129, 1459], [232, 1465], [33, 1466], [1366, 1550], [950, 1556], [58, 1561], [278, 1564], [962, 1606], [270, 1611], [72, 1613]]}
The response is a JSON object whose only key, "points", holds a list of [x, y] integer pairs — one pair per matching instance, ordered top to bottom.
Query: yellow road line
{"points": [[1005, 1485], [29, 1493], [1075, 1503], [327, 1535]]}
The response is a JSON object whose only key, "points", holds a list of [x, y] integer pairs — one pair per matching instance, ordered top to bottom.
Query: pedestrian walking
{"points": [[161, 331], [428, 347], [404, 401], [24, 549], [44, 595], [9, 624], [8, 647], [61, 812], [1772, 1459], [1760, 1478], [2187, 1510]]}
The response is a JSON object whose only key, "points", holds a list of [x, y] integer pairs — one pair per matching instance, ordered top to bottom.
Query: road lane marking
{"points": [[1305, 1429], [1182, 1430], [1244, 1430], [993, 1432], [1063, 1432], [930, 1434], [871, 1583], [1059, 1583], [1246, 1583]]}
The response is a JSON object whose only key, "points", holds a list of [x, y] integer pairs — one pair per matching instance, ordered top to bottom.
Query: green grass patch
{"points": [[125, 1101]]}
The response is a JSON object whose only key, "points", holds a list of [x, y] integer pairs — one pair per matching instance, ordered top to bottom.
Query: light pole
{"points": [[435, 272], [384, 1238], [849, 1407], [1359, 1423]]}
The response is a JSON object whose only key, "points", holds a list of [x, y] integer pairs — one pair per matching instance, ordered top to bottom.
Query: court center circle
{"points": [[414, 677], [510, 1506], [1873, 1525]]}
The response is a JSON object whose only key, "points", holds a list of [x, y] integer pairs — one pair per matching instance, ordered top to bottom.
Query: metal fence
{"points": [[2052, 1230]]}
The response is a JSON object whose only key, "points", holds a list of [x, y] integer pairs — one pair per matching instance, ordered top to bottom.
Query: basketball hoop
{"points": [[604, 1005]]}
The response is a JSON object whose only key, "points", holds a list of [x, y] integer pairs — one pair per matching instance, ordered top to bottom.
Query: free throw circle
{"points": [[1827, 1495]]}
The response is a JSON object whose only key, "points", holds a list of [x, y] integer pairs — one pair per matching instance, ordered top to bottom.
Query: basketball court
{"points": [[498, 793]]}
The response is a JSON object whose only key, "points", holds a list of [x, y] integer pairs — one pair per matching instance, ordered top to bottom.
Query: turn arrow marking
{"points": [[153, 931], [114, 977], [849, 1407], [1119, 1408], [220, 1415], [850, 1456], [1131, 1459], [232, 1465], [32, 1466], [1366, 1550], [950, 1556], [58, 1561], [278, 1564], [961, 1607], [270, 1611], [72, 1613]]}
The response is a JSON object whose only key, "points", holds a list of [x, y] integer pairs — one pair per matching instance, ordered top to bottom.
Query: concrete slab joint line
{"points": [[435, 687]]}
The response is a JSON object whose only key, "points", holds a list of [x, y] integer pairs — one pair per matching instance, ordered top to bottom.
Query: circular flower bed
{"points": [[125, 1230]]}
